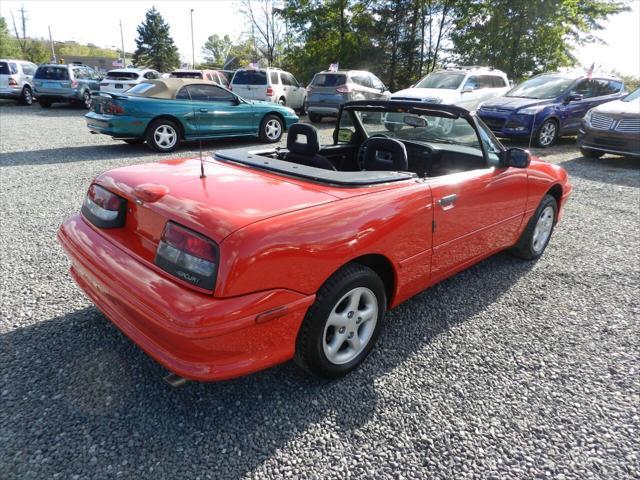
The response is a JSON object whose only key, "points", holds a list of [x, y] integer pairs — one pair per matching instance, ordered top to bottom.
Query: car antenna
{"points": [[195, 118]]}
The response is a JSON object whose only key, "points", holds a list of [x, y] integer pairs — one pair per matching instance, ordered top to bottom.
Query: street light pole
{"points": [[53, 52], [193, 54], [124, 55]]}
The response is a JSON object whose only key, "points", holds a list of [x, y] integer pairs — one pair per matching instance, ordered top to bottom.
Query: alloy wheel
{"points": [[28, 96], [87, 99], [273, 129], [547, 134], [165, 136], [543, 228], [350, 325]]}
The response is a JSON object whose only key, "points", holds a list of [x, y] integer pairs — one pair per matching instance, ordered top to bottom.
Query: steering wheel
{"points": [[362, 149]]}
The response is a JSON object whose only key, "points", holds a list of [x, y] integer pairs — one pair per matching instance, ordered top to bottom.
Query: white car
{"points": [[122, 79], [270, 85], [461, 86]]}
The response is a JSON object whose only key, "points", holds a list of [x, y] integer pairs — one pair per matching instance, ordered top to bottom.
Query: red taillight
{"points": [[12, 82], [74, 83], [131, 85], [343, 89], [269, 91], [114, 108], [103, 208], [188, 255]]}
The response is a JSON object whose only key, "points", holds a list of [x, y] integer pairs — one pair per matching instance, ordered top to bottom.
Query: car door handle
{"points": [[204, 110], [448, 201]]}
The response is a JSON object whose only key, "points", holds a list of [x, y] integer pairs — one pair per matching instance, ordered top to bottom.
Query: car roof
{"points": [[14, 60], [474, 69], [132, 70], [343, 72], [578, 75], [168, 87]]}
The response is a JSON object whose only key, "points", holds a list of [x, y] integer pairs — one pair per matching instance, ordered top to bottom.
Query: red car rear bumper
{"points": [[192, 334]]}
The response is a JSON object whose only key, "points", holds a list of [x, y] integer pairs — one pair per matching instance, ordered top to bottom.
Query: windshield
{"points": [[186, 75], [121, 76], [250, 77], [328, 80], [446, 80], [543, 87], [140, 88], [635, 95], [416, 127]]}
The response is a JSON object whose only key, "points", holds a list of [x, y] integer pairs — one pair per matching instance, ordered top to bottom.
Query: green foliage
{"points": [[523, 37], [154, 45], [9, 47], [71, 49], [216, 49]]}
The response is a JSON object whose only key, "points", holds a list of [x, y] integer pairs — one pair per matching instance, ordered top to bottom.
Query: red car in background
{"points": [[221, 267]]}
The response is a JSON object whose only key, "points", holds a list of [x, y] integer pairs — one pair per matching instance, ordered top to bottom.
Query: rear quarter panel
{"points": [[543, 177], [300, 250]]}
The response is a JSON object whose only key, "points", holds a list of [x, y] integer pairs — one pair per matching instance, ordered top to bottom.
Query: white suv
{"points": [[122, 79], [270, 85], [462, 86]]}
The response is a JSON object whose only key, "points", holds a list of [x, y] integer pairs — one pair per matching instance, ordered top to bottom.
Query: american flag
{"points": [[333, 67], [590, 71]]}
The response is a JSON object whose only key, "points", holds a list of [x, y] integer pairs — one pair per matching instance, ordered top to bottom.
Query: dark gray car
{"points": [[16, 80], [65, 83], [329, 90]]}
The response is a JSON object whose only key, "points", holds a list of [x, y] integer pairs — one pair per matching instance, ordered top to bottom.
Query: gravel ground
{"points": [[509, 370]]}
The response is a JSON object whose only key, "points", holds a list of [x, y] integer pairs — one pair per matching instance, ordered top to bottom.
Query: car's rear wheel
{"points": [[27, 96], [86, 99], [44, 103], [303, 109], [314, 117], [271, 129], [547, 133], [163, 135], [589, 153], [536, 235], [343, 324]]}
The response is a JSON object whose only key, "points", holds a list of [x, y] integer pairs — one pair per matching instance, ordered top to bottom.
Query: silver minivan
{"points": [[16, 80], [270, 85], [329, 90]]}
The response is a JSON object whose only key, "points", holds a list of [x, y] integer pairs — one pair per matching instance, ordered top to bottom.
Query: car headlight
{"points": [[532, 110]]}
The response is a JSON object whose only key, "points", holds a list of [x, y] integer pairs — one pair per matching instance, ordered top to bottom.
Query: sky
{"points": [[97, 22]]}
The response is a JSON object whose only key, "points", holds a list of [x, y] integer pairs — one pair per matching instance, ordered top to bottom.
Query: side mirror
{"points": [[575, 97], [345, 135], [516, 157]]}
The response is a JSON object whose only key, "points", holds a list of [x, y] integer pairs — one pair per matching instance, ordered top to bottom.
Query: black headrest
{"points": [[312, 144], [385, 154]]}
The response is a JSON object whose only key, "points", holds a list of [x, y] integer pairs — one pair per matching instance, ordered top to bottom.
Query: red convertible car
{"points": [[228, 265]]}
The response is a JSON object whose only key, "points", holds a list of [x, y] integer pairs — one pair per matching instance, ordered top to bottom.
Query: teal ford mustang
{"points": [[164, 112]]}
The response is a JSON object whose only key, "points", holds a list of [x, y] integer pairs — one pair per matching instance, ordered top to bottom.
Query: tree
{"points": [[266, 28], [523, 37], [8, 46], [154, 46], [216, 49]]}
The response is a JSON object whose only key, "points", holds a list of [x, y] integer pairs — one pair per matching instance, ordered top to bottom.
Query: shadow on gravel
{"points": [[624, 171], [79, 398]]}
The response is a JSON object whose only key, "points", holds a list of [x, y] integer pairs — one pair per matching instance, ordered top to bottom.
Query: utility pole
{"points": [[193, 51], [53, 52], [124, 55]]}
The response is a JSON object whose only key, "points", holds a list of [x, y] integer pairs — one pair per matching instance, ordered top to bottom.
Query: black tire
{"points": [[26, 98], [86, 100], [44, 103], [303, 109], [314, 117], [271, 129], [543, 137], [154, 138], [133, 141], [588, 153], [525, 248], [310, 354]]}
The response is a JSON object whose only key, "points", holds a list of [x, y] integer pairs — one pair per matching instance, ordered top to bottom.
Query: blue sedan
{"points": [[547, 106], [164, 112]]}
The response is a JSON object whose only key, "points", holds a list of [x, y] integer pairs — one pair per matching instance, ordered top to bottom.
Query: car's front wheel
{"points": [[27, 96], [44, 103], [314, 117], [271, 129], [547, 134], [163, 136], [589, 153], [536, 235], [343, 324]]}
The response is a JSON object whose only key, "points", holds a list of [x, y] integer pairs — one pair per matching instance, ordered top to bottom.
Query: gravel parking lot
{"points": [[509, 370]]}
